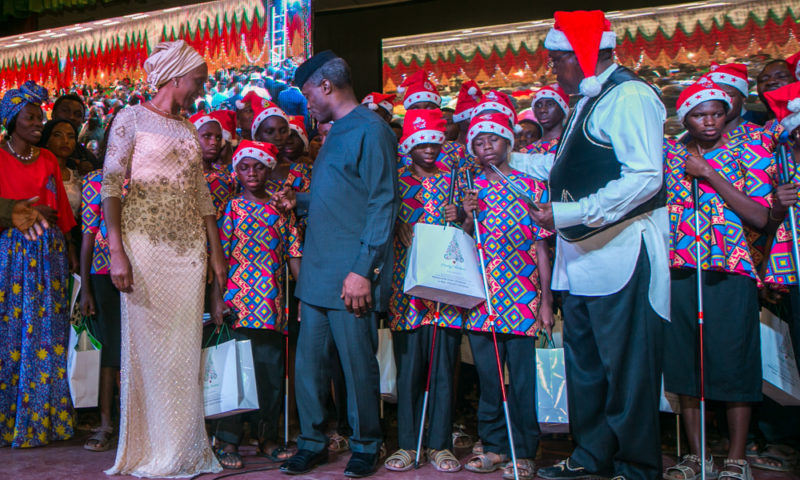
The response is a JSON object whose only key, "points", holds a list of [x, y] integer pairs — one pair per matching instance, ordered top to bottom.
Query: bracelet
{"points": [[773, 218]]}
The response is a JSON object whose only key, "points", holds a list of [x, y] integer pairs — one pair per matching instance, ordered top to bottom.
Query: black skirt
{"points": [[732, 343]]}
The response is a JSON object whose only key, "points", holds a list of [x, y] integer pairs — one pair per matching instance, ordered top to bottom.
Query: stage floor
{"points": [[69, 461]]}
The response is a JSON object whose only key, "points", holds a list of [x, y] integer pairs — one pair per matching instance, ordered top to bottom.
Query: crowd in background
{"points": [[251, 113]]}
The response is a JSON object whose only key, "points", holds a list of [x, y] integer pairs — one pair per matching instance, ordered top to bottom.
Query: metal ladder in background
{"points": [[277, 53]]}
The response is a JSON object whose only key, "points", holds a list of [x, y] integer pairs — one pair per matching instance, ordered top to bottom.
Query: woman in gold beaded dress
{"points": [[157, 241]]}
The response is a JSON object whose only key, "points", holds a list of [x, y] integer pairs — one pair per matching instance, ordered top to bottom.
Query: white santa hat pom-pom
{"points": [[590, 86], [401, 89], [472, 91], [240, 104], [794, 105], [372, 106], [518, 128]]}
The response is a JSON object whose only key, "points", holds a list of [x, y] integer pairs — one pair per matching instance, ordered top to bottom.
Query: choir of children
{"points": [[741, 199]]}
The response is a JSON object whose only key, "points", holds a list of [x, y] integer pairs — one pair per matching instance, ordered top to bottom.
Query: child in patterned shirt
{"points": [[518, 271]]}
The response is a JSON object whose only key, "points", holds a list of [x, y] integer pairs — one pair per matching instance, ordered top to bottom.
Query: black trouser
{"points": [[794, 322], [106, 324], [356, 341], [268, 347], [612, 347], [411, 351], [518, 353]]}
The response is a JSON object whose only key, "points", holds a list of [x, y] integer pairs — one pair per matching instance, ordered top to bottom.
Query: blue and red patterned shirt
{"points": [[542, 147], [452, 154], [750, 168], [222, 185], [422, 200], [93, 221], [509, 238], [257, 240]]}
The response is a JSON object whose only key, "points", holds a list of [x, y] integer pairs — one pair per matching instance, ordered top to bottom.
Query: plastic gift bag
{"points": [[443, 267], [386, 365], [778, 365], [83, 367], [229, 380], [669, 403], [552, 410]]}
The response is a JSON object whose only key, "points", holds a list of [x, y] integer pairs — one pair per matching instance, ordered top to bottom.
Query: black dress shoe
{"points": [[304, 461], [361, 465], [565, 470]]}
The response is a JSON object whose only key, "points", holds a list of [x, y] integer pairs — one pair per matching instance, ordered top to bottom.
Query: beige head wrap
{"points": [[171, 60]]}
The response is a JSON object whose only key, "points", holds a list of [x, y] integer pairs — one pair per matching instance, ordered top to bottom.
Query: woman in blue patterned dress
{"points": [[35, 406]]}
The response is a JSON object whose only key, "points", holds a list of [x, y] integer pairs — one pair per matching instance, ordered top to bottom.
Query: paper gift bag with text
{"points": [[443, 267], [778, 366], [83, 367], [229, 381]]}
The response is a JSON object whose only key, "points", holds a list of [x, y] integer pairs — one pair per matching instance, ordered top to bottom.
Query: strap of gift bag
{"points": [[83, 326], [223, 329], [547, 340]]}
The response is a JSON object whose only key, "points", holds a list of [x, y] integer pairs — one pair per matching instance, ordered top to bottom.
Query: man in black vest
{"points": [[611, 262]]}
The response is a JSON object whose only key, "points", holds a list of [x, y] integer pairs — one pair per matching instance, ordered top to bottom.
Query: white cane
{"points": [[698, 261]]}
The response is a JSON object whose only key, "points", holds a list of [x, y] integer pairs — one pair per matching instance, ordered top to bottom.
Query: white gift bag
{"points": [[442, 266], [386, 365], [83, 367], [778, 367], [229, 380], [669, 403], [552, 410]]}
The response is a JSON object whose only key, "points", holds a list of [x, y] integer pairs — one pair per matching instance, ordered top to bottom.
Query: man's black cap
{"points": [[304, 71]]}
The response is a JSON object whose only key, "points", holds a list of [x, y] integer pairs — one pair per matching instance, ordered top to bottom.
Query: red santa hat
{"points": [[585, 33], [794, 65], [733, 74], [417, 87], [703, 90], [553, 92], [249, 98], [468, 98], [382, 100], [498, 101], [785, 102], [262, 110], [202, 118], [227, 120], [496, 123], [297, 124], [421, 127], [265, 153]]}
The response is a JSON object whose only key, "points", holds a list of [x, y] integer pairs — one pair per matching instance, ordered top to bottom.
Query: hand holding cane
{"points": [[490, 312], [431, 356]]}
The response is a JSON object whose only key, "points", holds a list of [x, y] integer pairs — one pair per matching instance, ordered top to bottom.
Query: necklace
{"points": [[166, 114], [24, 158]]}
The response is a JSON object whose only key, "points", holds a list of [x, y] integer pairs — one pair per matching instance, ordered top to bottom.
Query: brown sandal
{"points": [[100, 441], [440, 457], [407, 458], [486, 463], [525, 467]]}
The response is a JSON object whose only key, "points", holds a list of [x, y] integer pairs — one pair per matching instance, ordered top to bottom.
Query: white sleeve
{"points": [[630, 118], [537, 165]]}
